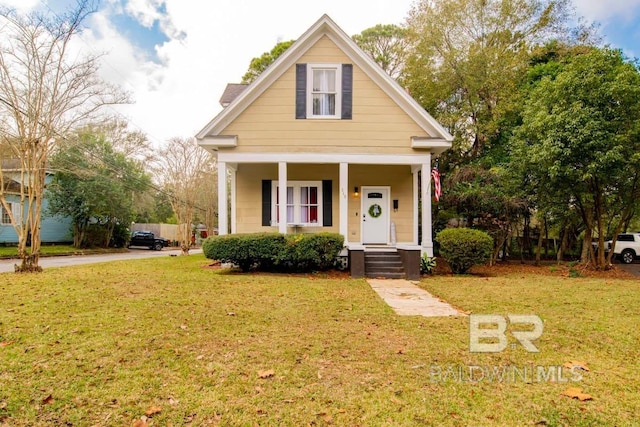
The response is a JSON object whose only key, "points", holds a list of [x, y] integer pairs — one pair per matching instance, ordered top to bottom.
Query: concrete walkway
{"points": [[406, 299]]}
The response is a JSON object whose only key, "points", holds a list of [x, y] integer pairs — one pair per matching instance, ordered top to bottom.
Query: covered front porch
{"points": [[370, 200]]}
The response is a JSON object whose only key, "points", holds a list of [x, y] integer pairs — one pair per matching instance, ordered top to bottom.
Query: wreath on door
{"points": [[375, 210]]}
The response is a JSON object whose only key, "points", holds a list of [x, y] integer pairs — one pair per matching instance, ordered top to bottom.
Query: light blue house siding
{"points": [[54, 229]]}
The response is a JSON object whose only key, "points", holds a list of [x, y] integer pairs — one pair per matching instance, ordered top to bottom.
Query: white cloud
{"points": [[20, 5], [604, 11], [211, 45]]}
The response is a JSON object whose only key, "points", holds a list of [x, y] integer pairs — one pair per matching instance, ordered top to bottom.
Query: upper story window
{"points": [[324, 91], [324, 98]]}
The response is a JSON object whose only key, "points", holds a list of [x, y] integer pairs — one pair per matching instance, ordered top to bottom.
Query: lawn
{"points": [[50, 250], [106, 343]]}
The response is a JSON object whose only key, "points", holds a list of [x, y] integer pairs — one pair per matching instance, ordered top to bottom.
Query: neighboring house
{"points": [[348, 141], [54, 229]]}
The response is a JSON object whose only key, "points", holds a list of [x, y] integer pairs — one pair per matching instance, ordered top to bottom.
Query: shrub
{"points": [[463, 248], [247, 251], [276, 252], [311, 252], [427, 264]]}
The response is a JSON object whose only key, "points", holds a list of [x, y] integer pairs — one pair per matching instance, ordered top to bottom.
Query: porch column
{"points": [[233, 169], [282, 197], [416, 200], [344, 201], [223, 224], [427, 234]]}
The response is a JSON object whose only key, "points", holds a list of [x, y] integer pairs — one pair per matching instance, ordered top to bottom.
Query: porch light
{"points": [[355, 191]]}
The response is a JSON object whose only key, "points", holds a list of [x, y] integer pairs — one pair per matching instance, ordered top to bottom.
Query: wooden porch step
{"points": [[386, 264]]}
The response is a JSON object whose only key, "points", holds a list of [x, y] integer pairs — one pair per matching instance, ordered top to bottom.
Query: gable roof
{"points": [[325, 26], [231, 92]]}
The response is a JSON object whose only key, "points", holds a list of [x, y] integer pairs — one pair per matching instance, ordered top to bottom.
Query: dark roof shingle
{"points": [[231, 92]]}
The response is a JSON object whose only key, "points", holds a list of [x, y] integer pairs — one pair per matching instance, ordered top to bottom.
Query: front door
{"points": [[375, 215]]}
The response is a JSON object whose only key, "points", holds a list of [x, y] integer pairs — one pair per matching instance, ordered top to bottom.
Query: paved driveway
{"points": [[6, 265], [631, 268]]}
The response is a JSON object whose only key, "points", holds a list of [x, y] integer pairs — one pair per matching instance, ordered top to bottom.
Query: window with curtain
{"points": [[324, 90], [304, 203], [290, 205], [309, 205]]}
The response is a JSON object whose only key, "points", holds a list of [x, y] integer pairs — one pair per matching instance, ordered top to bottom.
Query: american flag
{"points": [[435, 174]]}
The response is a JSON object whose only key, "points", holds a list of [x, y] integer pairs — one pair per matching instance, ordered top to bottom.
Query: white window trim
{"points": [[338, 69], [296, 202], [3, 213]]}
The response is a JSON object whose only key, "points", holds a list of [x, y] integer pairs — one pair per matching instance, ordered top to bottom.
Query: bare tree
{"points": [[45, 90], [186, 173]]}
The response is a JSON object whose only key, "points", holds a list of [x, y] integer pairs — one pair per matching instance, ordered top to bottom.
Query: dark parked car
{"points": [[149, 240]]}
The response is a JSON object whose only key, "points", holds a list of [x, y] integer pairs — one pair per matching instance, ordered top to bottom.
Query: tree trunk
{"points": [[563, 244], [539, 247], [184, 248], [586, 255], [29, 264]]}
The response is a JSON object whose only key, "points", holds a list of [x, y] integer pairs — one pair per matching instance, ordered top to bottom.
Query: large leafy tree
{"points": [[387, 45], [466, 59], [262, 62], [45, 90], [579, 144], [94, 184], [486, 199]]}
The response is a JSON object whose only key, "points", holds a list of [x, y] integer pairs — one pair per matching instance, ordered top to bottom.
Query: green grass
{"points": [[51, 250], [109, 341]]}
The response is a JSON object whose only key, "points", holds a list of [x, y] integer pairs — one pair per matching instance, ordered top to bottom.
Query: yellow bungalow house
{"points": [[347, 140]]}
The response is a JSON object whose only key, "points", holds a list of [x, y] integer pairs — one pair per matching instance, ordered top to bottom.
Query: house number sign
{"points": [[375, 210]]}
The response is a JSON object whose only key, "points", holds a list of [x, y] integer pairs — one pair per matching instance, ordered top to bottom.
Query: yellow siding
{"points": [[378, 126], [399, 178], [249, 193]]}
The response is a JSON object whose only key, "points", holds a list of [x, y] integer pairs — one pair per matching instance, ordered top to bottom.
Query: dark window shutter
{"points": [[301, 91], [347, 91], [266, 202], [327, 210]]}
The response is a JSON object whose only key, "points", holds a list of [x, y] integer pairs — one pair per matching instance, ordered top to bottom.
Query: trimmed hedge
{"points": [[463, 248], [276, 252]]}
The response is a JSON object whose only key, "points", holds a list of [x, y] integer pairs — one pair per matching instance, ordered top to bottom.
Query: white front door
{"points": [[375, 215]]}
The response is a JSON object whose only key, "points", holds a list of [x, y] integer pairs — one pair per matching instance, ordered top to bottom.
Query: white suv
{"points": [[627, 247]]}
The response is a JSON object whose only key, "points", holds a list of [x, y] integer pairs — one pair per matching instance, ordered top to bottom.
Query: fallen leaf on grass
{"points": [[5, 343], [400, 351], [576, 364], [266, 374], [576, 393], [47, 400], [153, 410], [140, 423]]}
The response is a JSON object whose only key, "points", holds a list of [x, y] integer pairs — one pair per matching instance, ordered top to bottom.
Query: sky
{"points": [[175, 57]]}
